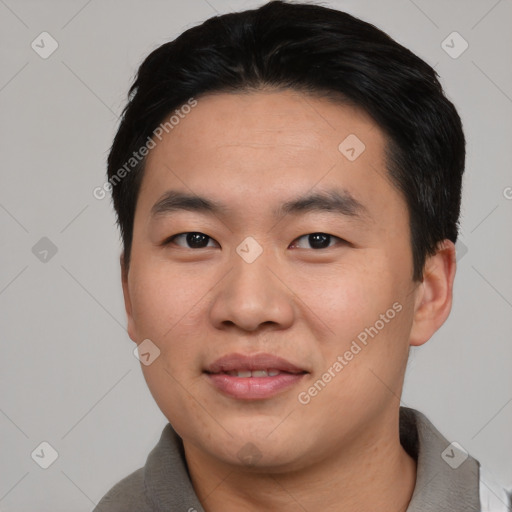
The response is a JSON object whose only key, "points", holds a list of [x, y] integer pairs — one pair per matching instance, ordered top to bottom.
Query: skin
{"points": [[255, 151]]}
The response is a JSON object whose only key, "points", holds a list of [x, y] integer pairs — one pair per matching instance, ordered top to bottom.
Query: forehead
{"points": [[270, 118], [248, 150]]}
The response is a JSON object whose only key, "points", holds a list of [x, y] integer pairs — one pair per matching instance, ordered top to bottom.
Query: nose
{"points": [[252, 296]]}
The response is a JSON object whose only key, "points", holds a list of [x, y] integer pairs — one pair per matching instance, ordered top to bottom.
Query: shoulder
{"points": [[128, 495]]}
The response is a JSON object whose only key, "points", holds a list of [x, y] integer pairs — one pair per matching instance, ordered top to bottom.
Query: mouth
{"points": [[253, 377]]}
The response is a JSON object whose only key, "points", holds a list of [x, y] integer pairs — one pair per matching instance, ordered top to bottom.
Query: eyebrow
{"points": [[338, 201]]}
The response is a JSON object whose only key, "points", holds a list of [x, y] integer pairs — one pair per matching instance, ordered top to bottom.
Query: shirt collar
{"points": [[447, 479]]}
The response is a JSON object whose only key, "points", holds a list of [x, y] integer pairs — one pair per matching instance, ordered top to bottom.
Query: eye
{"points": [[194, 239], [316, 241]]}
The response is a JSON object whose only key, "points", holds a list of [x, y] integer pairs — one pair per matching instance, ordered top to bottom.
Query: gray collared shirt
{"points": [[447, 477]]}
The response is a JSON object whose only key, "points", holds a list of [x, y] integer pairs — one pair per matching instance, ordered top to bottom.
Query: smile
{"points": [[253, 377]]}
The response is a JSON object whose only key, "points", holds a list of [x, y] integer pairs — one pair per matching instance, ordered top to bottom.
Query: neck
{"points": [[373, 473]]}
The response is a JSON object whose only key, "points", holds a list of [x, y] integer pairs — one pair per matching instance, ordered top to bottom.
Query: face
{"points": [[282, 303]]}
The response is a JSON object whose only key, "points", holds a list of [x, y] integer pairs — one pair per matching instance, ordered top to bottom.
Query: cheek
{"points": [[349, 296], [161, 298], [364, 307], [170, 309]]}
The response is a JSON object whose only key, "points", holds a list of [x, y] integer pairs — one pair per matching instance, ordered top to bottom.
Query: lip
{"points": [[252, 362], [253, 388]]}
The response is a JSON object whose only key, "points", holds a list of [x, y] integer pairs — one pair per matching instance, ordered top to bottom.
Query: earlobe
{"points": [[127, 299], [434, 299]]}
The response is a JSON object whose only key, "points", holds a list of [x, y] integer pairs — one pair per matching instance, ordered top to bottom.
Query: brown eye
{"points": [[193, 240], [317, 241]]}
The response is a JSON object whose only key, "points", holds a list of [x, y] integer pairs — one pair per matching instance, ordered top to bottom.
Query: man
{"points": [[287, 182]]}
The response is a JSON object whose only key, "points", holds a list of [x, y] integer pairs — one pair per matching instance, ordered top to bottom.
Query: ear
{"points": [[434, 295], [127, 300]]}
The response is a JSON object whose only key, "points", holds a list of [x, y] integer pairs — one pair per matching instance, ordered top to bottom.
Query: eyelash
{"points": [[171, 239]]}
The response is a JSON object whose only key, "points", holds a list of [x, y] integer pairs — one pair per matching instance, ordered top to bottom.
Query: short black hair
{"points": [[317, 50]]}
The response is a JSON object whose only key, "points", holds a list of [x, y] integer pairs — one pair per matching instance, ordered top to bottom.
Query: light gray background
{"points": [[68, 375]]}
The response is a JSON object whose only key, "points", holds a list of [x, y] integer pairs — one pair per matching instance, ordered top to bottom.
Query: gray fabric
{"points": [[163, 484], [439, 487]]}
